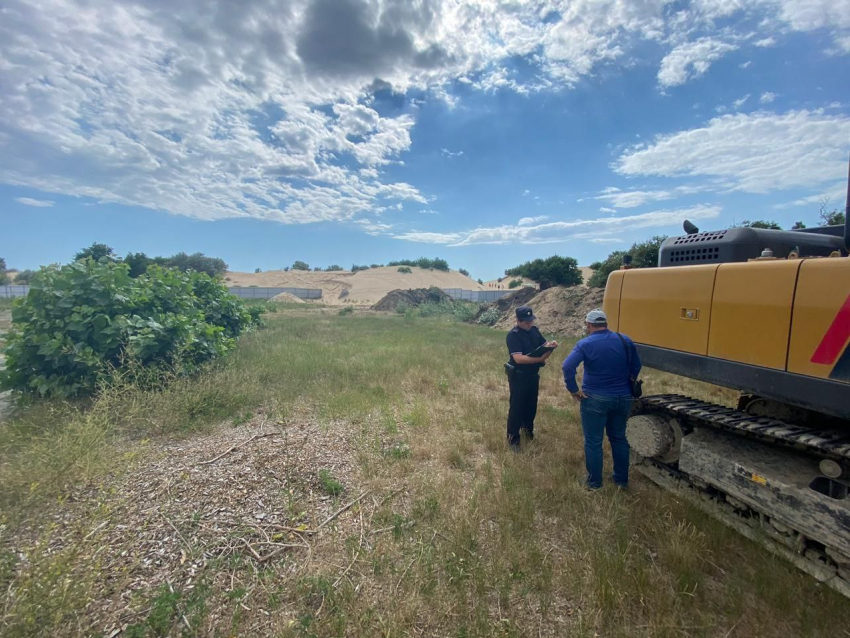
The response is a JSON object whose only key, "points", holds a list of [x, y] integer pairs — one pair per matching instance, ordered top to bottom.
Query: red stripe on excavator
{"points": [[835, 338]]}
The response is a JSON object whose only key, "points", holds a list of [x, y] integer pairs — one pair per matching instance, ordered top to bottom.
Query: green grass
{"points": [[478, 542]]}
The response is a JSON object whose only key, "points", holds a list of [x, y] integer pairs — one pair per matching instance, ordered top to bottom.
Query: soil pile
{"points": [[287, 297], [414, 297], [559, 311]]}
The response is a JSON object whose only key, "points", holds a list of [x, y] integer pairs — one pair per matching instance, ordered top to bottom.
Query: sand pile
{"points": [[287, 297], [414, 297], [559, 311]]}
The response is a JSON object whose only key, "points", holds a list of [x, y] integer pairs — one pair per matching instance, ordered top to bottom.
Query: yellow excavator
{"points": [[766, 313]]}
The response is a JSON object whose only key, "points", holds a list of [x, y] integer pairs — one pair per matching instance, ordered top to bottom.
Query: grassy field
{"points": [[199, 510]]}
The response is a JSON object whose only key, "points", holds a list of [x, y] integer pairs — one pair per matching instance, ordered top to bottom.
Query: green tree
{"points": [[831, 218], [758, 223], [798, 226], [96, 251], [643, 254], [138, 263], [300, 265], [212, 266], [333, 268], [552, 271], [464, 272], [24, 277], [4, 278]]}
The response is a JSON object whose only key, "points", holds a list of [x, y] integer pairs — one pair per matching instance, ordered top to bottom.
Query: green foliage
{"points": [[832, 218], [758, 223], [798, 226], [96, 251], [644, 255], [422, 262], [138, 263], [300, 265], [213, 266], [376, 266], [3, 267], [333, 268], [356, 268], [405, 269], [258, 270], [464, 271], [552, 271], [24, 277], [4, 279], [480, 281], [515, 283], [348, 310], [489, 317], [84, 322], [329, 483]]}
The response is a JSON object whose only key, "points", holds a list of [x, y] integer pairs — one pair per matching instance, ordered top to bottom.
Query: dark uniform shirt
{"points": [[525, 341]]}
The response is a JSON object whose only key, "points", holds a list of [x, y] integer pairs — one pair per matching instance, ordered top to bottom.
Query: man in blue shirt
{"points": [[610, 359]]}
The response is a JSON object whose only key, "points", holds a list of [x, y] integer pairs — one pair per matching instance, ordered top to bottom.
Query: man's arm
{"points": [[524, 359], [570, 368]]}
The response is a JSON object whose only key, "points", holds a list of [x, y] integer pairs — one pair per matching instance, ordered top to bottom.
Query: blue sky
{"points": [[356, 131]]}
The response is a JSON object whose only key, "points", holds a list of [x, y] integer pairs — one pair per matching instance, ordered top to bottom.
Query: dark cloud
{"points": [[355, 38]]}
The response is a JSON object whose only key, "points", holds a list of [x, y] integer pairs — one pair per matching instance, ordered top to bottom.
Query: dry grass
{"points": [[454, 536]]}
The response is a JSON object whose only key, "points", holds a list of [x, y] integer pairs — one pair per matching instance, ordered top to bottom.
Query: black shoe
{"points": [[529, 434]]}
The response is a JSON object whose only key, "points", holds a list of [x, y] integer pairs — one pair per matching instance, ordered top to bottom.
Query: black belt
{"points": [[528, 372]]}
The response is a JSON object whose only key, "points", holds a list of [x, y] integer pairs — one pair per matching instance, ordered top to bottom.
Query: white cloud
{"points": [[765, 42], [691, 60], [745, 65], [767, 97], [740, 101], [218, 110], [757, 152], [447, 153], [526, 193], [835, 195], [632, 199], [38, 203], [607, 210], [428, 211], [528, 221], [557, 232], [605, 240]]}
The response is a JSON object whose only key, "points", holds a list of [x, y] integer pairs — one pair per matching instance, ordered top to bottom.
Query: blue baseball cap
{"points": [[524, 313]]}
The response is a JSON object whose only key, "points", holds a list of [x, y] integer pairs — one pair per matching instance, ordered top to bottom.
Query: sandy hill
{"points": [[586, 272], [363, 286]]}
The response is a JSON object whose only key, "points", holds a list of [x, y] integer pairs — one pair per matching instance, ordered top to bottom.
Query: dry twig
{"points": [[236, 447], [341, 510]]}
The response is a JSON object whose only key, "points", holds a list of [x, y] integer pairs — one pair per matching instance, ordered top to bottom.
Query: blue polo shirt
{"points": [[606, 372]]}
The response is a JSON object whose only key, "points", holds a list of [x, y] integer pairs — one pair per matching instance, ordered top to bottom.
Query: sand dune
{"points": [[364, 286]]}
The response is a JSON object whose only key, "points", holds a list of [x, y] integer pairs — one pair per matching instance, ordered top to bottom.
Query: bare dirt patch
{"points": [[287, 297], [413, 297], [558, 310], [204, 517]]}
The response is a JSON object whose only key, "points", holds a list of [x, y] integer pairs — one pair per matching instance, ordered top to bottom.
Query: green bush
{"points": [[644, 255], [422, 262], [300, 265], [356, 268], [405, 269], [464, 271], [552, 271], [23, 278], [515, 283], [346, 311], [489, 317], [84, 322]]}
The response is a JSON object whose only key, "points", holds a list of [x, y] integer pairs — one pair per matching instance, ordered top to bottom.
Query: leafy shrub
{"points": [[95, 251], [644, 255], [422, 262], [300, 265], [376, 266], [355, 267], [333, 268], [405, 269], [552, 271], [464, 272], [24, 277], [515, 283], [402, 307], [346, 311], [489, 317], [83, 322], [329, 483]]}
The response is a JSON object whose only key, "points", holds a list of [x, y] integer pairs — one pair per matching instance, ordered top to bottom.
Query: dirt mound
{"points": [[288, 297], [414, 297], [559, 311]]}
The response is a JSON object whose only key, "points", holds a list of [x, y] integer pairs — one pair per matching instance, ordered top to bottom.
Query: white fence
{"points": [[14, 291], [255, 292], [480, 296]]}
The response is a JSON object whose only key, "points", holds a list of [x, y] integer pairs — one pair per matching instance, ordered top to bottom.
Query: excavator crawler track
{"points": [[829, 443]]}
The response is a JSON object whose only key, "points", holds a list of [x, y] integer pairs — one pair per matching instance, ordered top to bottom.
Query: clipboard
{"points": [[540, 350]]}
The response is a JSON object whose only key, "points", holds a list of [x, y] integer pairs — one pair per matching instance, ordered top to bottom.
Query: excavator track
{"points": [[828, 443], [715, 483]]}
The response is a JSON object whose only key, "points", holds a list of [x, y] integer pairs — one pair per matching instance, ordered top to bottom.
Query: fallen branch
{"points": [[236, 447], [341, 510], [296, 530]]}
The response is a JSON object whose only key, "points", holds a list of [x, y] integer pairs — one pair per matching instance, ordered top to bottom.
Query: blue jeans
{"points": [[605, 414]]}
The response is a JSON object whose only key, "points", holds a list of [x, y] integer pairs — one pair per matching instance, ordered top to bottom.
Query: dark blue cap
{"points": [[524, 313]]}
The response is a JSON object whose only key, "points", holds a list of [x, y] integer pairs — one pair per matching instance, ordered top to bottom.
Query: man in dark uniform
{"points": [[525, 378]]}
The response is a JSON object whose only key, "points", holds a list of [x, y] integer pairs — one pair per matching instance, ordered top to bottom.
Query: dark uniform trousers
{"points": [[524, 387]]}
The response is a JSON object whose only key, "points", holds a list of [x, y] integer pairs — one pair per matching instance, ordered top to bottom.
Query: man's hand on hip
{"points": [[579, 396]]}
